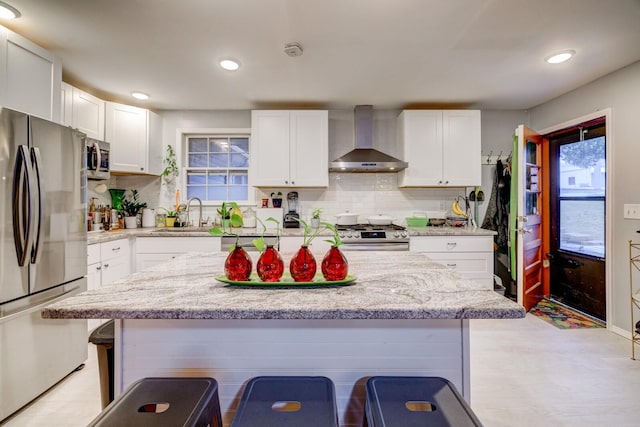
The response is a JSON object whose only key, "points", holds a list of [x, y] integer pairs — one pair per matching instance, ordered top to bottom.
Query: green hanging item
{"points": [[116, 199], [513, 210]]}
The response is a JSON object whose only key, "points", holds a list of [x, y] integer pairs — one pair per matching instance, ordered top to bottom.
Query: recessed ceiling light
{"points": [[8, 12], [559, 57], [229, 64], [140, 95]]}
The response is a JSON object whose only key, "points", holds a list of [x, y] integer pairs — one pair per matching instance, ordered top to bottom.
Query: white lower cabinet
{"points": [[152, 251], [471, 256], [106, 263]]}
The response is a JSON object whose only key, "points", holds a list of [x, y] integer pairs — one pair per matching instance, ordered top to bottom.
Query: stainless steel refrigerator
{"points": [[43, 254]]}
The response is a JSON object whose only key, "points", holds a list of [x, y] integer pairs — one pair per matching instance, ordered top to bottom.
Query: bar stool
{"points": [[415, 401], [166, 402], [287, 402]]}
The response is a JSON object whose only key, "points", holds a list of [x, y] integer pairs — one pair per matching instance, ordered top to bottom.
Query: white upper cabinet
{"points": [[31, 77], [83, 111], [135, 135], [289, 148], [442, 148]]}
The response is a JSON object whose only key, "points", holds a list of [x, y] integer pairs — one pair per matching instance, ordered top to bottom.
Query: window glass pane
{"points": [[197, 145], [219, 145], [239, 145], [531, 153], [197, 160], [219, 160], [239, 161], [583, 168], [196, 177], [217, 179], [238, 179], [199, 191], [218, 193], [238, 193], [582, 226]]}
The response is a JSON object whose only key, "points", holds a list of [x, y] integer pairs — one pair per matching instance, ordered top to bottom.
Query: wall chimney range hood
{"points": [[364, 158]]}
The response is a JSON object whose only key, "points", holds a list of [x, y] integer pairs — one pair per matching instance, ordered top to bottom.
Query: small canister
{"points": [[148, 218], [160, 220]]}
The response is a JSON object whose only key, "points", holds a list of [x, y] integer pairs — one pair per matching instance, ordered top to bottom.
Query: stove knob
{"points": [[405, 233], [341, 234], [396, 234], [356, 235]]}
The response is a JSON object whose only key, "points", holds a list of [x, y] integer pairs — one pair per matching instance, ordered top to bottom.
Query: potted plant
{"points": [[171, 166], [276, 199], [131, 206], [315, 217], [170, 218], [238, 264], [303, 264], [334, 265], [270, 266]]}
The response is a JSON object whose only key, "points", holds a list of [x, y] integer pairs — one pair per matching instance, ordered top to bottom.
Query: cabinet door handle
{"points": [[286, 182], [440, 182], [446, 182], [293, 183], [451, 245], [116, 249], [106, 265], [452, 265], [98, 268]]}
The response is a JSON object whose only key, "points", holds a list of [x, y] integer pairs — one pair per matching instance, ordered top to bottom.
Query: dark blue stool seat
{"points": [[416, 401], [166, 402], [287, 402]]}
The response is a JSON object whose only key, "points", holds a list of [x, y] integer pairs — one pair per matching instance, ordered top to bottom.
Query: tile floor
{"points": [[523, 373]]}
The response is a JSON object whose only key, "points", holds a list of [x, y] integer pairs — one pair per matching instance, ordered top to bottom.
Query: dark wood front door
{"points": [[577, 211]]}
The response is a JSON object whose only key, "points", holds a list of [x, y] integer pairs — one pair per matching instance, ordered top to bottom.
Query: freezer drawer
{"points": [[36, 353]]}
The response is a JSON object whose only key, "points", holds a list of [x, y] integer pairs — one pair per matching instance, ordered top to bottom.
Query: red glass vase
{"points": [[238, 265], [270, 265], [303, 265], [334, 265]]}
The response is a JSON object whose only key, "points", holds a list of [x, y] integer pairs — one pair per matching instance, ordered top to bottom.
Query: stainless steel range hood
{"points": [[364, 158]]}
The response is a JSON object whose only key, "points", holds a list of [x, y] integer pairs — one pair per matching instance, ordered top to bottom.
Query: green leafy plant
{"points": [[170, 162], [277, 195], [130, 204], [170, 214], [315, 214], [229, 220], [310, 233], [335, 240], [259, 242]]}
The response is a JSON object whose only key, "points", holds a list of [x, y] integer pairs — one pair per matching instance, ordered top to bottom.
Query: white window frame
{"points": [[181, 139]]}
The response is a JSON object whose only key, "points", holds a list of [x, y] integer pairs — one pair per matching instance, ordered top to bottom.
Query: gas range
{"points": [[373, 237]]}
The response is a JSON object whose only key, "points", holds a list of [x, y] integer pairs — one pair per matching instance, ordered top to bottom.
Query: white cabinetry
{"points": [[31, 77], [83, 111], [135, 135], [289, 148], [442, 148], [151, 251], [471, 256], [106, 263]]}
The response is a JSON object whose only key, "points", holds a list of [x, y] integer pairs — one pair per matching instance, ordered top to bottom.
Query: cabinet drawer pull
{"points": [[451, 245], [116, 249], [106, 265], [452, 265], [98, 268]]}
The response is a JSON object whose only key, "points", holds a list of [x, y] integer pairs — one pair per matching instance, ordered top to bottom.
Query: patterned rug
{"points": [[561, 317]]}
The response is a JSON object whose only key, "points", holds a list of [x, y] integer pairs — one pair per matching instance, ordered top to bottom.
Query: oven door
{"points": [[98, 152]]}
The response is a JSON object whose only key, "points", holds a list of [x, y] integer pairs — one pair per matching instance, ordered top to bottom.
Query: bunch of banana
{"points": [[457, 210]]}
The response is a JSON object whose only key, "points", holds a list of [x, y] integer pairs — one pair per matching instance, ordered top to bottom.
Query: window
{"points": [[217, 167]]}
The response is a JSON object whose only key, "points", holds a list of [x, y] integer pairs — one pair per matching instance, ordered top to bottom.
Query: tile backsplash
{"points": [[363, 193]]}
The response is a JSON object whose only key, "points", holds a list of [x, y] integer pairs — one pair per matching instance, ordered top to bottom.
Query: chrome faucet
{"points": [[189, 211]]}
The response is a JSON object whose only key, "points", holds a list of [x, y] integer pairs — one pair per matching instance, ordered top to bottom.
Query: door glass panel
{"points": [[531, 153], [583, 168], [582, 226]]}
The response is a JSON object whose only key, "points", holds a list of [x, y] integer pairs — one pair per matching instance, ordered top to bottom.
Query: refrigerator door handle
{"points": [[38, 185], [22, 221]]}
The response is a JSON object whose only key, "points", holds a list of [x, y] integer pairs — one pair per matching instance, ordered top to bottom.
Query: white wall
{"points": [[620, 91]]}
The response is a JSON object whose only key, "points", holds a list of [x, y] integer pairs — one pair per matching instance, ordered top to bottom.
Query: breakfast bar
{"points": [[404, 315]]}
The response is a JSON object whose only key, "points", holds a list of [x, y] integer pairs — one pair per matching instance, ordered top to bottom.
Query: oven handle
{"points": [[392, 246]]}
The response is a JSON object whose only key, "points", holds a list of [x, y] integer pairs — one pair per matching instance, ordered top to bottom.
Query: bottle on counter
{"points": [[249, 218]]}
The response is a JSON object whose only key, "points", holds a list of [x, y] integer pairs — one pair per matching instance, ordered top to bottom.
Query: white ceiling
{"points": [[390, 53]]}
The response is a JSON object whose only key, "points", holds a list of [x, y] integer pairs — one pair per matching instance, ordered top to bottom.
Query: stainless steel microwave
{"points": [[98, 166]]}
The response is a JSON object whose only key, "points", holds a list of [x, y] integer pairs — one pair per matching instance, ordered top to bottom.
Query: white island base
{"points": [[347, 351]]}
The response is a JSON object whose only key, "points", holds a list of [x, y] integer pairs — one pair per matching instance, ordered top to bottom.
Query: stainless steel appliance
{"points": [[98, 152], [292, 216], [367, 237], [43, 254]]}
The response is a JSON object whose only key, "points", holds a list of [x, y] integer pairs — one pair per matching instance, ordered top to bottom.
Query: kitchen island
{"points": [[404, 315]]}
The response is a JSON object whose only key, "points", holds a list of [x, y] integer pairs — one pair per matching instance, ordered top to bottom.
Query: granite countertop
{"points": [[99, 237], [406, 285]]}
